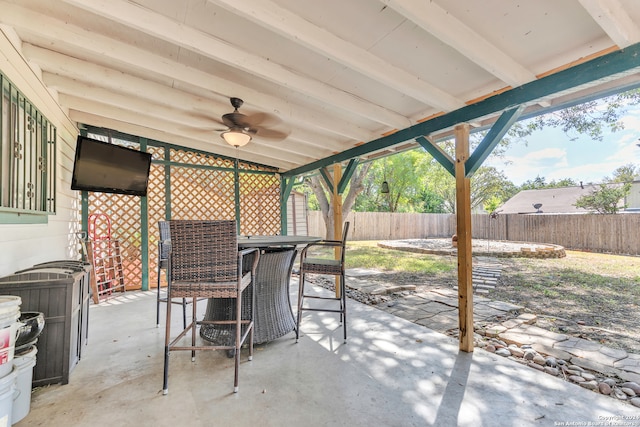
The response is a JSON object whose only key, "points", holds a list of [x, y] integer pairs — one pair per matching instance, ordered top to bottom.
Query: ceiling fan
{"points": [[241, 127]]}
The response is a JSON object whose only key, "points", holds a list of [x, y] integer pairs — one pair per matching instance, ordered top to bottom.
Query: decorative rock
{"points": [[500, 342], [490, 348], [515, 351], [503, 352], [529, 354], [539, 360], [551, 361], [561, 362], [535, 366], [576, 368], [552, 370], [573, 372], [587, 376], [577, 379], [610, 382], [590, 385], [633, 386], [604, 388], [628, 391], [619, 394], [635, 401]]}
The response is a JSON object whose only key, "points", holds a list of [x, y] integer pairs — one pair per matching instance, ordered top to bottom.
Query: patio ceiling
{"points": [[341, 77]]}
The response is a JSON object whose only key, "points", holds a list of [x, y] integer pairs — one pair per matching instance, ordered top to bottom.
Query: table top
{"points": [[266, 241]]}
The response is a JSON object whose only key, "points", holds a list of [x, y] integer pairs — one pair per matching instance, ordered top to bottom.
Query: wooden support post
{"points": [[337, 216], [463, 230]]}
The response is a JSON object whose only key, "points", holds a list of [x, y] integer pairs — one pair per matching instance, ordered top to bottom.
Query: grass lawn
{"points": [[594, 296]]}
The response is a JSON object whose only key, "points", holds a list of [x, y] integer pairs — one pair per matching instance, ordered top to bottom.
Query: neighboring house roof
{"points": [[553, 200]]}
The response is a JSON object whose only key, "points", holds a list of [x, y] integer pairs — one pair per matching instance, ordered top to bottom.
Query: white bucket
{"points": [[9, 314], [24, 364], [7, 388]]}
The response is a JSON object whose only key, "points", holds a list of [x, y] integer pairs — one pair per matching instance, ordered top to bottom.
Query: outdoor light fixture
{"points": [[236, 137], [384, 189]]}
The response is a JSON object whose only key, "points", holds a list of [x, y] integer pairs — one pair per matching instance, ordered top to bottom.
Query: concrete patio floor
{"points": [[392, 372]]}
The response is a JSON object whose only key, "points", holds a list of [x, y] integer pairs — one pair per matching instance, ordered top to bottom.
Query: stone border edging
{"points": [[546, 250]]}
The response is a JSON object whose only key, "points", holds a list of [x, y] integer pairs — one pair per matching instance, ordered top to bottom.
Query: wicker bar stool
{"points": [[164, 247], [204, 262], [331, 267]]}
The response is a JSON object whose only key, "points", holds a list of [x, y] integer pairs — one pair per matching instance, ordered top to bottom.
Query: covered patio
{"points": [[391, 373]]}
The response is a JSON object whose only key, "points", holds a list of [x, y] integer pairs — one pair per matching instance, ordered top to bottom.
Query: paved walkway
{"points": [[437, 309]]}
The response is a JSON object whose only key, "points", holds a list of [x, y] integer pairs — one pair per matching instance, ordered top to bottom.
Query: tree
{"points": [[625, 173], [487, 182], [540, 182], [323, 195], [605, 200]]}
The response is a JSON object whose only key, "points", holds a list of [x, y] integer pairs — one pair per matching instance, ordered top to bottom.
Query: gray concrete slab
{"points": [[391, 373]]}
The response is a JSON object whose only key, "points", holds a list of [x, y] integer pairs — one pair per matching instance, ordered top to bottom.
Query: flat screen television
{"points": [[108, 168]]}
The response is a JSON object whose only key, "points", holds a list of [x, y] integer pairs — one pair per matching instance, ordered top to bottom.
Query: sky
{"points": [[551, 154]]}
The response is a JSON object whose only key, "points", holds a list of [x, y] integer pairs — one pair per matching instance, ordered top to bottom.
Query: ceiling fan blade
{"points": [[235, 120], [263, 120], [272, 134]]}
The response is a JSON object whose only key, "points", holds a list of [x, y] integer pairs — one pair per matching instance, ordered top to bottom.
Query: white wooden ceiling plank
{"points": [[614, 20], [293, 27], [446, 27], [169, 30]]}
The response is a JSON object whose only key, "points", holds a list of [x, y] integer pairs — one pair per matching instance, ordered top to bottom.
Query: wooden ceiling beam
{"points": [[611, 16], [156, 25], [443, 25], [301, 31], [117, 80]]}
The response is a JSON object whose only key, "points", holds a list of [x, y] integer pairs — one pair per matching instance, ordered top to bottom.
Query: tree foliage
{"points": [[591, 118], [540, 183], [606, 199]]}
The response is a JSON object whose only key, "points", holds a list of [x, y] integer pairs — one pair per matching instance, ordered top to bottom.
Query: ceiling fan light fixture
{"points": [[236, 137]]}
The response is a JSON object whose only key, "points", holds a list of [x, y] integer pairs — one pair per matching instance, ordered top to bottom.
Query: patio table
{"points": [[273, 315]]}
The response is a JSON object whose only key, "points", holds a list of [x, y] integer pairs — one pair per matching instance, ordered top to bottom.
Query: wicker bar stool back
{"points": [[164, 247], [204, 262], [309, 265]]}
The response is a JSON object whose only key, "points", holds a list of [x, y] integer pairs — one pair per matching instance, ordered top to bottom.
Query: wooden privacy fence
{"points": [[619, 234]]}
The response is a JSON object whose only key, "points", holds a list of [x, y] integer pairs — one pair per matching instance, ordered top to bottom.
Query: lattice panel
{"points": [[191, 158], [201, 194], [259, 204], [155, 212], [124, 213]]}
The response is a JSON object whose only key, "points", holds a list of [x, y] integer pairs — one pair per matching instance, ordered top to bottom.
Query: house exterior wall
{"points": [[22, 245]]}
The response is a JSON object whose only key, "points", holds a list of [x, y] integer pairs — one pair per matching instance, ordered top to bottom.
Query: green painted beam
{"points": [[620, 63], [493, 137], [156, 143], [437, 153], [348, 173], [327, 178], [167, 184], [144, 229]]}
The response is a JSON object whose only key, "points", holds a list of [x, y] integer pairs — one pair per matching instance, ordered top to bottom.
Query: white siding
{"points": [[22, 245]]}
